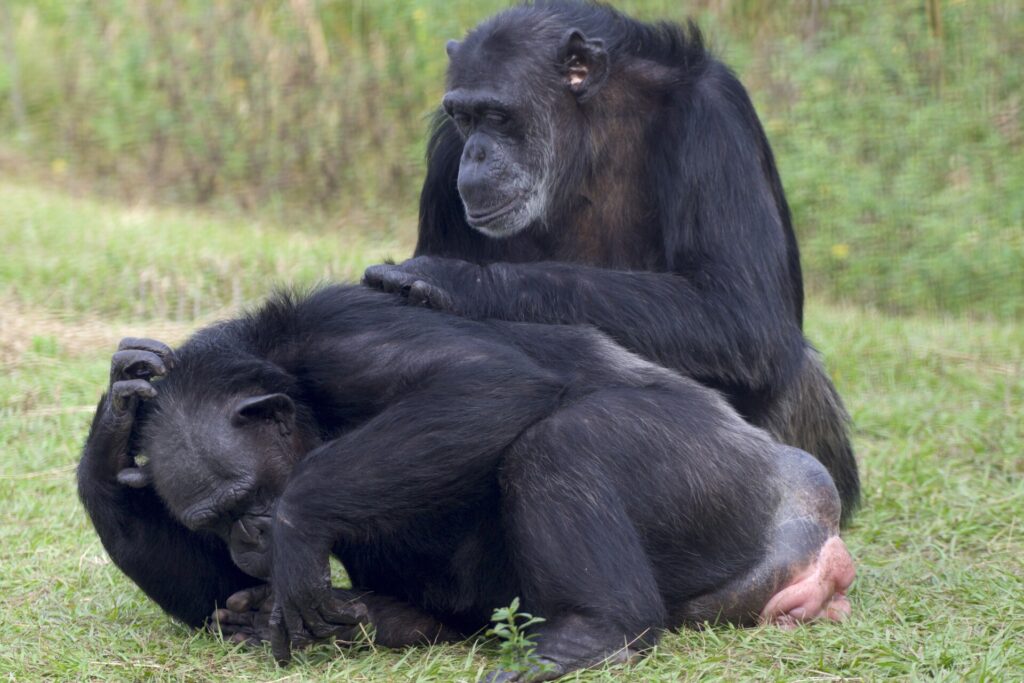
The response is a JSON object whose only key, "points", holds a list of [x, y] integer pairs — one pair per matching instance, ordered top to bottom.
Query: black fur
{"points": [[665, 223], [451, 465]]}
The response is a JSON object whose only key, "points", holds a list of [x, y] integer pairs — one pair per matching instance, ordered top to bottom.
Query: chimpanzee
{"points": [[589, 168], [450, 465]]}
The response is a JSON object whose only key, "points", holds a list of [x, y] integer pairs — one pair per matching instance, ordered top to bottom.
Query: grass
{"points": [[84, 257], [936, 403]]}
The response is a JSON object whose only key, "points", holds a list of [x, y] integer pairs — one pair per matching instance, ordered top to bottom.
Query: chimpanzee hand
{"points": [[441, 283], [136, 362], [304, 603], [245, 618]]}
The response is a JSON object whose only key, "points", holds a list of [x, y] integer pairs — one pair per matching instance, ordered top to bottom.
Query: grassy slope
{"points": [[936, 404]]}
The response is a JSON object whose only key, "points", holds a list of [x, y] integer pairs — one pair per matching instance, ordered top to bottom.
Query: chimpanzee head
{"points": [[518, 88], [220, 459]]}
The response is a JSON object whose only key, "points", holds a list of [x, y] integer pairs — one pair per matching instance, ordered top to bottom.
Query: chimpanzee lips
{"points": [[491, 215]]}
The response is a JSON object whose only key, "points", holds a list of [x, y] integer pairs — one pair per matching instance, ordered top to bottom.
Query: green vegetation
{"points": [[298, 128], [900, 138], [82, 256], [936, 403], [515, 644]]}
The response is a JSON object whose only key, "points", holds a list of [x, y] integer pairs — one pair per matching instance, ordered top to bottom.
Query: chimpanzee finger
{"points": [[374, 276], [392, 280], [398, 283], [425, 294], [151, 345], [136, 364], [124, 392], [250, 599], [345, 612], [333, 618], [231, 619], [314, 622], [283, 623], [220, 624], [231, 632], [245, 638], [253, 639], [301, 640], [298, 642]]}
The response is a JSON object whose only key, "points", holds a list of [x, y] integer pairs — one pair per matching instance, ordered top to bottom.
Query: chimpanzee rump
{"points": [[589, 168], [450, 465]]}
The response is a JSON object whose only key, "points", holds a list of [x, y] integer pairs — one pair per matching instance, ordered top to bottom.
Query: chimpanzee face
{"points": [[517, 106], [503, 169], [221, 466]]}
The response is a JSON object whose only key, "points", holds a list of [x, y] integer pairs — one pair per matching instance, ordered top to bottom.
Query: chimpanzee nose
{"points": [[477, 149]]}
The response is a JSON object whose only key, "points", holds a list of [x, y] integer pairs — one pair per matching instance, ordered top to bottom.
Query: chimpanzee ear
{"points": [[451, 47], [584, 63], [277, 407]]}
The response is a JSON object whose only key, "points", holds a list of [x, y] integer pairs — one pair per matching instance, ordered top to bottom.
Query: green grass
{"points": [[82, 256], [936, 403]]}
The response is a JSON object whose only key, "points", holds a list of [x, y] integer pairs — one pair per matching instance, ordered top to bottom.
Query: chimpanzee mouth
{"points": [[490, 215], [254, 563]]}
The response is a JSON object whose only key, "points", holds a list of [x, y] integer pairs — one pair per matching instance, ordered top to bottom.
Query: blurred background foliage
{"points": [[898, 126]]}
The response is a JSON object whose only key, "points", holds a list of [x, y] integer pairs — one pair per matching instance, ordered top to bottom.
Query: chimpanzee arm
{"points": [[704, 324], [436, 447], [184, 572]]}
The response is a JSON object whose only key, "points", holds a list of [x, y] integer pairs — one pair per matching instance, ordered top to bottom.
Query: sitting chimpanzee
{"points": [[589, 168], [450, 465]]}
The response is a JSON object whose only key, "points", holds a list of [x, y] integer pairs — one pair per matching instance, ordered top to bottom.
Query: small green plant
{"points": [[516, 646]]}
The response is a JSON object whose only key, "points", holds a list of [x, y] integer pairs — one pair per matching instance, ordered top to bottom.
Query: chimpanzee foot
{"points": [[818, 591], [569, 645], [540, 670]]}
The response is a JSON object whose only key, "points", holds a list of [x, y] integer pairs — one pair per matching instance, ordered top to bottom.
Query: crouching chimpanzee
{"points": [[589, 168], [450, 465]]}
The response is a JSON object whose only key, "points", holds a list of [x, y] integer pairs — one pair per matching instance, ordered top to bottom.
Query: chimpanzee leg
{"points": [[435, 448], [580, 560]]}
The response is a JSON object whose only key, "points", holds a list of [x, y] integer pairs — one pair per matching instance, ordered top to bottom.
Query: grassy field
{"points": [[900, 140], [901, 144], [936, 403]]}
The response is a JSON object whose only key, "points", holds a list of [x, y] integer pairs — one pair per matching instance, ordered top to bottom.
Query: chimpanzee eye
{"points": [[461, 118], [497, 118]]}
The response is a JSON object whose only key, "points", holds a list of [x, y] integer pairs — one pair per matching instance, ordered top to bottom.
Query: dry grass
{"points": [[78, 335]]}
